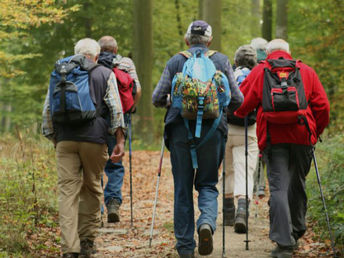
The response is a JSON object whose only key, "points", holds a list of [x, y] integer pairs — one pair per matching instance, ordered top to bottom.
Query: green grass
{"points": [[330, 155]]}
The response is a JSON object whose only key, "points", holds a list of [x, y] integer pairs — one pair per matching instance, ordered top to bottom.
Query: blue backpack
{"points": [[69, 91], [200, 92]]}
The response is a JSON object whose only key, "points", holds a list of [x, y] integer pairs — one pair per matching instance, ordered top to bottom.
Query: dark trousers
{"points": [[209, 158], [287, 168]]}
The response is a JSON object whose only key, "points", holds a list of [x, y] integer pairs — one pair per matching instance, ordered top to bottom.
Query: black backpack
{"points": [[284, 99]]}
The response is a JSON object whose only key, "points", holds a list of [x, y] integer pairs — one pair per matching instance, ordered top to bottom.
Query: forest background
{"points": [[35, 33]]}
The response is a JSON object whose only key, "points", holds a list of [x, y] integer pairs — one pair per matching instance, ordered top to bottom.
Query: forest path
{"points": [[122, 240]]}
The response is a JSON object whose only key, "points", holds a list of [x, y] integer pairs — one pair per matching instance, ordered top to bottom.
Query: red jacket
{"points": [[317, 112]]}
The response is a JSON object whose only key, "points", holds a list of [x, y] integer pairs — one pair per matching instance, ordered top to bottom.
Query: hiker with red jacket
{"points": [[125, 72], [292, 112]]}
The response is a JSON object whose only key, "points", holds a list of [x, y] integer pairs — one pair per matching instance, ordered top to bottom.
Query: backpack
{"points": [[240, 75], [126, 89], [69, 91], [200, 92], [284, 99]]}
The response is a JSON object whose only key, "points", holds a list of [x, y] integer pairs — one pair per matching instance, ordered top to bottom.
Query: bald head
{"points": [[108, 44], [277, 44]]}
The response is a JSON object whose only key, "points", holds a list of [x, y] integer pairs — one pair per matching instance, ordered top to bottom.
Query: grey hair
{"points": [[195, 39], [107, 43], [259, 43], [277, 44], [88, 47], [245, 56]]}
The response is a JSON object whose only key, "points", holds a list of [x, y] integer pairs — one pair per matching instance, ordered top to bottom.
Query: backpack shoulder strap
{"points": [[186, 53], [209, 53]]}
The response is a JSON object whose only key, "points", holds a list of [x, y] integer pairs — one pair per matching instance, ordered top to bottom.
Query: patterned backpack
{"points": [[200, 92]]}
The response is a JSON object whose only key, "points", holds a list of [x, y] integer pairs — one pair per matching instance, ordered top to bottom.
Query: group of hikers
{"points": [[268, 108]]}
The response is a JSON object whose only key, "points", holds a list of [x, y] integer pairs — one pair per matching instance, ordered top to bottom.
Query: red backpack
{"points": [[126, 87]]}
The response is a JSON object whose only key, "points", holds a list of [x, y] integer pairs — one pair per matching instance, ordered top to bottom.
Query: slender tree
{"points": [[210, 11], [256, 17], [282, 19], [267, 20], [143, 56]]}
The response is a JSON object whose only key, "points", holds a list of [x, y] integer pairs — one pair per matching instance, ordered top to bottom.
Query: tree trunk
{"points": [[211, 13], [256, 17], [282, 19], [267, 20], [88, 21], [179, 23], [143, 56]]}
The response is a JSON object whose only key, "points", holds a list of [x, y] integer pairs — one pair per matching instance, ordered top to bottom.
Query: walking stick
{"points": [[130, 173], [246, 178], [157, 190], [324, 204], [223, 206]]}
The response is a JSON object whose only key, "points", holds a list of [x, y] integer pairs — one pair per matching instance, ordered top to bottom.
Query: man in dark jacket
{"points": [[287, 147], [81, 153], [209, 155]]}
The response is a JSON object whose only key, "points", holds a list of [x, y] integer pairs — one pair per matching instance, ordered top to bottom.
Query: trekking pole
{"points": [[130, 173], [246, 178], [157, 190], [324, 204], [223, 206]]}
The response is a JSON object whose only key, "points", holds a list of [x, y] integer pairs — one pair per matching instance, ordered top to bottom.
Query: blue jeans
{"points": [[209, 158], [114, 171]]}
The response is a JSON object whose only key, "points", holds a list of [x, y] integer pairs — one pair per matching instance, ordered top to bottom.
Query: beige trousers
{"points": [[79, 167], [235, 183]]}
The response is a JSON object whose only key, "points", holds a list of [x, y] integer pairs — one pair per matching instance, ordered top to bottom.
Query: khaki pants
{"points": [[235, 160], [79, 167]]}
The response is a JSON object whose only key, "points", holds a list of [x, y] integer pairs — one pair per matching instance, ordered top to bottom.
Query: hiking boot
{"points": [[261, 192], [113, 210], [229, 211], [240, 225], [205, 240], [87, 248], [282, 252], [70, 255]]}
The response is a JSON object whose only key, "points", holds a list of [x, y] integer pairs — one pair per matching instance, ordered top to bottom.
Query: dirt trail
{"points": [[122, 240]]}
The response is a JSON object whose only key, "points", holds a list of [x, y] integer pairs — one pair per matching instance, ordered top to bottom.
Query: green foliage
{"points": [[331, 168], [28, 207]]}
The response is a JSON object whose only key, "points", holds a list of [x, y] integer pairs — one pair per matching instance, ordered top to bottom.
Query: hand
{"points": [[168, 101], [117, 153]]}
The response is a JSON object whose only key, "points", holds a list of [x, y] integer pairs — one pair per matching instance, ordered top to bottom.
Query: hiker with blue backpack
{"points": [[245, 60], [195, 87], [130, 92], [80, 97], [292, 112]]}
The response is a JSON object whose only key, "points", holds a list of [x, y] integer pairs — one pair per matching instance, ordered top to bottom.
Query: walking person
{"points": [[110, 58], [245, 60], [293, 110], [80, 141], [209, 156]]}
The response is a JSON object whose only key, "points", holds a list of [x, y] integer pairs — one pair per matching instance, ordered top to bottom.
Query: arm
{"points": [[132, 72], [251, 87], [162, 90], [236, 96], [319, 104], [47, 124], [117, 125]]}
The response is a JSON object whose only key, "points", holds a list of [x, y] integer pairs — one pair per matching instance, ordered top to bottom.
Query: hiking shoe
{"points": [[261, 192], [113, 210], [229, 211], [240, 225], [205, 240], [87, 248], [282, 251], [70, 255]]}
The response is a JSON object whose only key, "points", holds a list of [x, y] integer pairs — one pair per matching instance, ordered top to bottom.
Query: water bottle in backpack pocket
{"points": [[69, 92], [284, 98]]}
